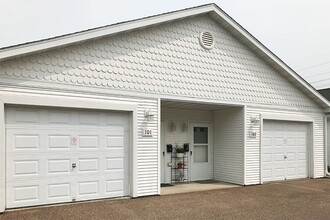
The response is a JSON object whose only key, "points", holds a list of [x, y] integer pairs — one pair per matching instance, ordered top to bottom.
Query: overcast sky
{"points": [[297, 31]]}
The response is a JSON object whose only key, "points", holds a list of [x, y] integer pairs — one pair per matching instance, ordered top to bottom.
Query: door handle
{"points": [[164, 153], [190, 153], [285, 157], [74, 165]]}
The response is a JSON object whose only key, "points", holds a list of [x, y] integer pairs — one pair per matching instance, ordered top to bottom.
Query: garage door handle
{"points": [[285, 157], [74, 165]]}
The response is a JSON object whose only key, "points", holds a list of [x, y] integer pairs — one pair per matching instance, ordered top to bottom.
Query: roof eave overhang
{"points": [[212, 9], [74, 38]]}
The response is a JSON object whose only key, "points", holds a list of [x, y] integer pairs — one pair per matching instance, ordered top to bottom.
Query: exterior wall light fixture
{"points": [[149, 115]]}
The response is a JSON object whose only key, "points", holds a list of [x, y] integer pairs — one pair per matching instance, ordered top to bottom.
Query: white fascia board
{"points": [[92, 34]]}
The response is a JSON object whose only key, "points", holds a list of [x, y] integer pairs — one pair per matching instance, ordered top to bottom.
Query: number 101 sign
{"points": [[146, 132]]}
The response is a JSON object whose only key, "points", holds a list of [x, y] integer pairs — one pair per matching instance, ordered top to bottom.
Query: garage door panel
{"points": [[26, 116], [59, 117], [89, 119], [115, 141], [279, 141], [291, 141], [26, 142], [59, 142], [88, 142], [288, 149], [41, 152], [116, 152], [291, 156], [267, 157], [278, 157], [88, 165], [59, 166], [22, 167], [26, 167], [302, 170], [291, 171], [267, 173], [279, 173], [115, 187], [88, 188], [59, 191], [38, 192], [27, 193]]}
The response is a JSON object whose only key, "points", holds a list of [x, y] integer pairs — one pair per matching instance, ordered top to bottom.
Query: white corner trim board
{"points": [[159, 144], [2, 158]]}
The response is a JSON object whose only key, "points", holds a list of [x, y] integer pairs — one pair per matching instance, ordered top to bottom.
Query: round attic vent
{"points": [[206, 40]]}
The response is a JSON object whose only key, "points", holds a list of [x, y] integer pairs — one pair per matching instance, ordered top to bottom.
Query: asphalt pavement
{"points": [[300, 199]]}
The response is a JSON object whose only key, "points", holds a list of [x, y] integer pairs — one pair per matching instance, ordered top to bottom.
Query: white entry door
{"points": [[284, 150], [201, 151], [59, 155]]}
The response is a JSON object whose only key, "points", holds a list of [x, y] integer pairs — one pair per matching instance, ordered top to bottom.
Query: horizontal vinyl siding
{"points": [[229, 146], [147, 151], [252, 166]]}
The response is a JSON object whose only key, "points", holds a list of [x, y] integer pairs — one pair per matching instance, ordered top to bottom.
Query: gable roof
{"points": [[211, 9]]}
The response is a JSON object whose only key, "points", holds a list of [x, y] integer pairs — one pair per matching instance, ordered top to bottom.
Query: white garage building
{"points": [[90, 115]]}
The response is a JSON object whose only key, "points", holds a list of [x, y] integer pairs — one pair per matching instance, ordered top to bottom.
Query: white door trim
{"points": [[63, 101], [159, 136], [210, 137], [310, 137]]}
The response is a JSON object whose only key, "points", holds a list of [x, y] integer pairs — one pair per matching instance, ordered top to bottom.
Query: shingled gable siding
{"points": [[166, 59]]}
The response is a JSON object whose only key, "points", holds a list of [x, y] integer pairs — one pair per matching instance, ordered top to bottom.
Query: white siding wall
{"points": [[163, 61], [179, 136], [229, 145], [147, 153], [252, 169]]}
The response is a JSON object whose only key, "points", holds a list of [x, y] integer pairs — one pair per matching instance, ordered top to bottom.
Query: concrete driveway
{"points": [[303, 199]]}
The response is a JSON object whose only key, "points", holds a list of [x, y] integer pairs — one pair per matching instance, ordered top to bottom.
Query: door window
{"points": [[200, 144]]}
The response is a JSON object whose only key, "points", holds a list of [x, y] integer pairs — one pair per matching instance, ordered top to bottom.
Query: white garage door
{"points": [[284, 150], [62, 155]]}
